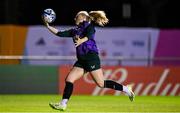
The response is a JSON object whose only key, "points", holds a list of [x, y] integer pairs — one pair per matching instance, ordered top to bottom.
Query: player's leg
{"points": [[73, 75], [99, 79]]}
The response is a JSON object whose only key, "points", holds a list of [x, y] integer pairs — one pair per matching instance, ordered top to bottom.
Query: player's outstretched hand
{"points": [[45, 23], [52, 29]]}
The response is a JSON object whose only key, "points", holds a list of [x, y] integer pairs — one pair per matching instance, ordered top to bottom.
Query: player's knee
{"points": [[69, 80], [100, 84]]}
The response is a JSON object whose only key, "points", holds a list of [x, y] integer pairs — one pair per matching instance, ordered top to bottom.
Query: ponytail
{"points": [[99, 17]]}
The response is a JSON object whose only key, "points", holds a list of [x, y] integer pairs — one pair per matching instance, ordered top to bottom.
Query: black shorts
{"points": [[88, 62]]}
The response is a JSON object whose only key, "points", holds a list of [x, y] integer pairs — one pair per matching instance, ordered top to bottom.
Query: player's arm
{"points": [[52, 29], [90, 32], [66, 33], [79, 40]]}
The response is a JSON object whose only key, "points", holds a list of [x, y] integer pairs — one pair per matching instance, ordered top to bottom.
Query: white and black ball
{"points": [[49, 15]]}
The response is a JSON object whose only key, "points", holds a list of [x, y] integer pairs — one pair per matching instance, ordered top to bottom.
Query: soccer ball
{"points": [[49, 15]]}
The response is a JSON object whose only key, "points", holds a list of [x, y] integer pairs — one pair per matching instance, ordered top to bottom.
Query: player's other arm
{"points": [[90, 32], [79, 40]]}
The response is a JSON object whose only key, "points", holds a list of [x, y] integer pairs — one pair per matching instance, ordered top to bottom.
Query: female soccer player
{"points": [[87, 54]]}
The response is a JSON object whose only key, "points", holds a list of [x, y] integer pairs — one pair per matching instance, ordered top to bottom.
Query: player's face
{"points": [[79, 19]]}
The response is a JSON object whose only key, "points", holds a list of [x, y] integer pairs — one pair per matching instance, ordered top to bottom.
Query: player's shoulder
{"points": [[91, 25], [91, 28]]}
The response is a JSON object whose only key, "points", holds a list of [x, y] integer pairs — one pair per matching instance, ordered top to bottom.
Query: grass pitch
{"points": [[90, 104]]}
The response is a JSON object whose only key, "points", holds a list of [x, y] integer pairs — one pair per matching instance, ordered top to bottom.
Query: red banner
{"points": [[145, 80]]}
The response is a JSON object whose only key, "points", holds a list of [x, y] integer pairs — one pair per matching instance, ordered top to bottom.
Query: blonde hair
{"points": [[82, 13], [99, 17]]}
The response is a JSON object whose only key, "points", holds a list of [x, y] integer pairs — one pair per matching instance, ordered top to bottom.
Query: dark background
{"points": [[144, 13]]}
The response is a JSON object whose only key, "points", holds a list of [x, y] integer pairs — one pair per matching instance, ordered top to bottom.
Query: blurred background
{"points": [[129, 13], [139, 46]]}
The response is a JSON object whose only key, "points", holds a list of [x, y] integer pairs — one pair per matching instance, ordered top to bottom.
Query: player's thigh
{"points": [[75, 74], [97, 75]]}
